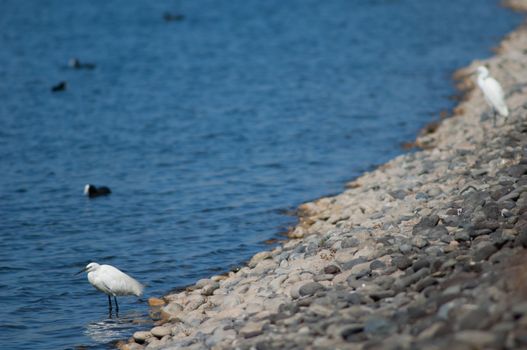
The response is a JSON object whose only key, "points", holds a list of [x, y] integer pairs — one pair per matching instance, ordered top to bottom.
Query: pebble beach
{"points": [[425, 252]]}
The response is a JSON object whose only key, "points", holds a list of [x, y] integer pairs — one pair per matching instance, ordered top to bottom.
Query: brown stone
{"points": [[156, 302]]}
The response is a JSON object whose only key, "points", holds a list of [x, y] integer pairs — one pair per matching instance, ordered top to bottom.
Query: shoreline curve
{"points": [[427, 251]]}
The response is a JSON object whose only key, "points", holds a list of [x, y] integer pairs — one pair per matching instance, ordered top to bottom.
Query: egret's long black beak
{"points": [[81, 271]]}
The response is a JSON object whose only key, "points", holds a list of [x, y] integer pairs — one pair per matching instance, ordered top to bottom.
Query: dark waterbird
{"points": [[169, 17], [77, 64], [59, 87], [92, 191]]}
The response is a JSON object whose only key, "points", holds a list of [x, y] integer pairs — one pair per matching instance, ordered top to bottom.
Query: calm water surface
{"points": [[205, 129]]}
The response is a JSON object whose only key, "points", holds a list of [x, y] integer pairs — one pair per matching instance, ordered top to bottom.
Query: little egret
{"points": [[493, 92], [92, 191], [112, 282]]}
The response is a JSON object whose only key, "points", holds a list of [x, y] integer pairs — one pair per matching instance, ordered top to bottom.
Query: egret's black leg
{"points": [[494, 110], [483, 118], [110, 306], [116, 306]]}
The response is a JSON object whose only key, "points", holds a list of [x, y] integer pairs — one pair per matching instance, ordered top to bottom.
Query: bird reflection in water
{"points": [[111, 329]]}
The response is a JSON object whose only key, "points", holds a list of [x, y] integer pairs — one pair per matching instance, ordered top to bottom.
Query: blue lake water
{"points": [[205, 129]]}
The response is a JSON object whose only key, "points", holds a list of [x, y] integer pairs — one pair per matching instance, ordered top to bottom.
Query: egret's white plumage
{"points": [[492, 91], [112, 281]]}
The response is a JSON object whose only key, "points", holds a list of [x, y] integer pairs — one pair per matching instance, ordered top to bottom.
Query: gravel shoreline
{"points": [[426, 252]]}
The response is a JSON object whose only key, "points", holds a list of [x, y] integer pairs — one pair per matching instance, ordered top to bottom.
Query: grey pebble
{"points": [[402, 262], [377, 264], [331, 269], [310, 288]]}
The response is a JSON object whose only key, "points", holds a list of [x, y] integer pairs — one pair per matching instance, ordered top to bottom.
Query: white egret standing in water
{"points": [[493, 92], [112, 282]]}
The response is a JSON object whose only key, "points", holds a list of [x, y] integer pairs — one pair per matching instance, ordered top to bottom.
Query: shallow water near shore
{"points": [[206, 129]]}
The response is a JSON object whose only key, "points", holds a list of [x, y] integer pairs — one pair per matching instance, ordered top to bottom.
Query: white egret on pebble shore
{"points": [[493, 92], [112, 282]]}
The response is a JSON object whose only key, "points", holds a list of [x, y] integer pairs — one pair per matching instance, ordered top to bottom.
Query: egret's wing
{"points": [[494, 95], [99, 283], [120, 283], [105, 288]]}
